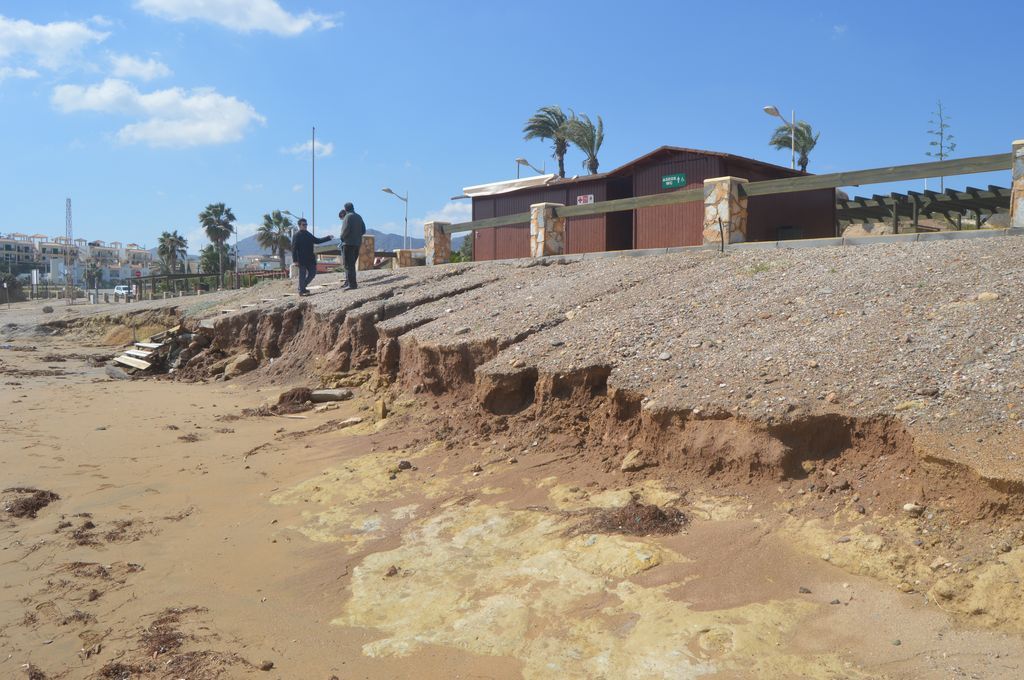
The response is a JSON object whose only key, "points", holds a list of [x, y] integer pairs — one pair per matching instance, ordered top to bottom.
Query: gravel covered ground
{"points": [[930, 333]]}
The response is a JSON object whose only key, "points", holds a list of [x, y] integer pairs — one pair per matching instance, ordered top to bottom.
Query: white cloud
{"points": [[244, 16], [101, 21], [838, 30], [49, 46], [127, 66], [17, 72], [171, 118], [303, 148], [248, 186], [296, 188]]}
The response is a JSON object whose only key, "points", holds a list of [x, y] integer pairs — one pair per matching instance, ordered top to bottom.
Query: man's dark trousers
{"points": [[351, 254], [306, 274]]}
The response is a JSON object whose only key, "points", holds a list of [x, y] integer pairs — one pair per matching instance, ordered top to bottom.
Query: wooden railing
{"points": [[896, 173]]}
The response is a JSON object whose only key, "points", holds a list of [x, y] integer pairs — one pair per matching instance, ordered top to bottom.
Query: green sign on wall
{"points": [[673, 181]]}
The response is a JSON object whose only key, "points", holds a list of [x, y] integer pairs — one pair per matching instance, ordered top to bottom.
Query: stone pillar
{"points": [[1017, 192], [724, 200], [547, 230], [438, 244], [366, 250], [403, 258]]}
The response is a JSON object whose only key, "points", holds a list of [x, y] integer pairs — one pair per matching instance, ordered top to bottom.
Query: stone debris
{"points": [[320, 396]]}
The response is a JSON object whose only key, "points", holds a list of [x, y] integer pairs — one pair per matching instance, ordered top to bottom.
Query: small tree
{"points": [[550, 122], [802, 137], [588, 138], [943, 144], [217, 221], [275, 234], [465, 251], [216, 259]]}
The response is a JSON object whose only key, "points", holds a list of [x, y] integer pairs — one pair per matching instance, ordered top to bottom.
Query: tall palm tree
{"points": [[550, 122], [588, 138], [805, 139], [217, 221], [275, 234], [172, 249]]}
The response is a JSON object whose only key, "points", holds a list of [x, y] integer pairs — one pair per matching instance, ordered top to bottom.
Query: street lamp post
{"points": [[773, 111], [522, 161], [405, 199]]}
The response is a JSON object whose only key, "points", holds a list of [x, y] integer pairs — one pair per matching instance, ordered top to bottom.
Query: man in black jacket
{"points": [[352, 230], [304, 256]]}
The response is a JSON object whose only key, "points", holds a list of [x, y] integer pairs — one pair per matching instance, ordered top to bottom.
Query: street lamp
{"points": [[773, 111], [522, 161], [405, 199]]}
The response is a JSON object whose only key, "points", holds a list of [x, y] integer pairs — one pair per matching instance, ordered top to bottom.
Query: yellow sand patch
{"points": [[342, 499], [496, 581]]}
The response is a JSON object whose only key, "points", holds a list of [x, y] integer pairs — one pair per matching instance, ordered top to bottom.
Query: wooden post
{"points": [[915, 208]]}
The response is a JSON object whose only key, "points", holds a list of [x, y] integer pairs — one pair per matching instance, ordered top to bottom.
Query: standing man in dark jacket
{"points": [[352, 230], [304, 256]]}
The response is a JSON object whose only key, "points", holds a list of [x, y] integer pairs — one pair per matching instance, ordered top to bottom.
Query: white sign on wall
{"points": [[585, 199]]}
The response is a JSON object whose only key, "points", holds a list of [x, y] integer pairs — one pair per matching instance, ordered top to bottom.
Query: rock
{"points": [[987, 296], [47, 309], [462, 331], [557, 343], [664, 356], [239, 364], [812, 364], [117, 373], [928, 391], [320, 396], [831, 397], [327, 407], [380, 409], [513, 460], [634, 461], [404, 465], [808, 466], [476, 468], [913, 509], [843, 539], [938, 563], [392, 571], [905, 587], [805, 590], [835, 602], [896, 643], [266, 665]]}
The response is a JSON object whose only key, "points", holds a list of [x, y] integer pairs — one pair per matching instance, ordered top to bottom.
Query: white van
{"points": [[122, 291]]}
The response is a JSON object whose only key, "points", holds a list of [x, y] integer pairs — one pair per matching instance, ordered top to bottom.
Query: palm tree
{"points": [[550, 123], [588, 138], [805, 140], [217, 220], [275, 234], [172, 248]]}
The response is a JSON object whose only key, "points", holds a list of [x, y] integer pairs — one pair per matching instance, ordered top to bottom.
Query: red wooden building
{"points": [[808, 214]]}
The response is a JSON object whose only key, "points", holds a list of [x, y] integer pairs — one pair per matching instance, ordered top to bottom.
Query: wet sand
{"points": [[219, 543]]}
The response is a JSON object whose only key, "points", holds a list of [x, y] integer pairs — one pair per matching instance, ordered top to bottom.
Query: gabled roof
{"points": [[508, 186]]}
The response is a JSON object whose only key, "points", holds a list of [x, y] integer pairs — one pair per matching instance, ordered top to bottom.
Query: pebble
{"points": [[664, 356], [913, 509], [805, 590], [266, 665]]}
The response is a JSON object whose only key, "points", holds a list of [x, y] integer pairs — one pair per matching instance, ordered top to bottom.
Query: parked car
{"points": [[123, 291]]}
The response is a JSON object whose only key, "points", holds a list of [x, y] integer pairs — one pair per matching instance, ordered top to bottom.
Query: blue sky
{"points": [[144, 111]]}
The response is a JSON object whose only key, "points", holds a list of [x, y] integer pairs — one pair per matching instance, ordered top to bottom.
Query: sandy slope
{"points": [[259, 542]]}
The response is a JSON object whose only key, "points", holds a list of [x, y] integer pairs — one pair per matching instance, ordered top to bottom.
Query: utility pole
{"points": [[312, 151], [68, 259]]}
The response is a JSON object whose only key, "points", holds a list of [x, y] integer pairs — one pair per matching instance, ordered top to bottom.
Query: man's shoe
{"points": [[304, 293]]}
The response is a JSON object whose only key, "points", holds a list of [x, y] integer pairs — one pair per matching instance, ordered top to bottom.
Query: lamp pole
{"points": [[774, 111], [522, 161], [405, 199]]}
